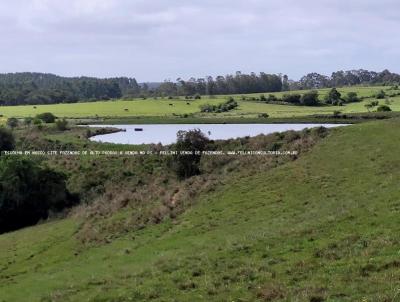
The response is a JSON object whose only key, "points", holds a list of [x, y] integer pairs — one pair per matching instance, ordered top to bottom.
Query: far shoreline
{"points": [[318, 119]]}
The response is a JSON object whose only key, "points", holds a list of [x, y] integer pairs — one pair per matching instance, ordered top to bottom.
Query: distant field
{"points": [[362, 91], [148, 107], [161, 107], [253, 108]]}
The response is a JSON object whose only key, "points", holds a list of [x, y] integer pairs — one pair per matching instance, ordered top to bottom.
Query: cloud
{"points": [[158, 39]]}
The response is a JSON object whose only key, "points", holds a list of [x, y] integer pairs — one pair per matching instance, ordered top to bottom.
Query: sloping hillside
{"points": [[322, 228]]}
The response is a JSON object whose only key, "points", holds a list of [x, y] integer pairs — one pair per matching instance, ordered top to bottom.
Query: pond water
{"points": [[166, 133]]}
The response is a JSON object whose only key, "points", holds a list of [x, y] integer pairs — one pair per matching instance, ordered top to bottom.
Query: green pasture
{"points": [[362, 91], [120, 108], [170, 108], [249, 108]]}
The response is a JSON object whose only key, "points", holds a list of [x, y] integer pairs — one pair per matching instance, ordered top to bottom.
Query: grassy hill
{"points": [[168, 108], [321, 228]]}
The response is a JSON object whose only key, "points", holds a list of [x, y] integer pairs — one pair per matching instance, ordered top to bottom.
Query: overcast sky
{"points": [[154, 40]]}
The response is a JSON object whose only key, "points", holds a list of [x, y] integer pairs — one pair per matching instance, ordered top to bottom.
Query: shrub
{"points": [[380, 95], [197, 96], [333, 97], [352, 97], [263, 98], [272, 98], [291, 98], [310, 98], [229, 105], [371, 105], [224, 107], [383, 108], [46, 117], [28, 121], [37, 121], [12, 122], [62, 125], [88, 133], [7, 141], [194, 141], [29, 193]]}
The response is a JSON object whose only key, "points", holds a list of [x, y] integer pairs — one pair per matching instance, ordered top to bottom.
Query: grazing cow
{"points": [[187, 103], [171, 104], [34, 107], [126, 109]]}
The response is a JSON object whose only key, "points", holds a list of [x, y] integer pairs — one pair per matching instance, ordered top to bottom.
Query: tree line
{"points": [[345, 78], [229, 84], [41, 88]]}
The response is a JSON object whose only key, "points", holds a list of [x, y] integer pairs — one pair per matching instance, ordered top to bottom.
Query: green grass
{"points": [[362, 91], [111, 108], [162, 108], [281, 111], [324, 226]]}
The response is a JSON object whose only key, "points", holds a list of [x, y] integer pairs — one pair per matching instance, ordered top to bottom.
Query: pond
{"points": [[166, 133]]}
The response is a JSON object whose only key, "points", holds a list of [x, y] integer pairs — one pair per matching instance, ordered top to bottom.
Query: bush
{"points": [[380, 95], [197, 96], [333, 97], [352, 97], [263, 98], [272, 98], [291, 98], [310, 98], [229, 105], [371, 105], [224, 107], [383, 108], [46, 117], [28, 121], [37, 121], [12, 122], [62, 125], [88, 133], [7, 141], [194, 141], [29, 193]]}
